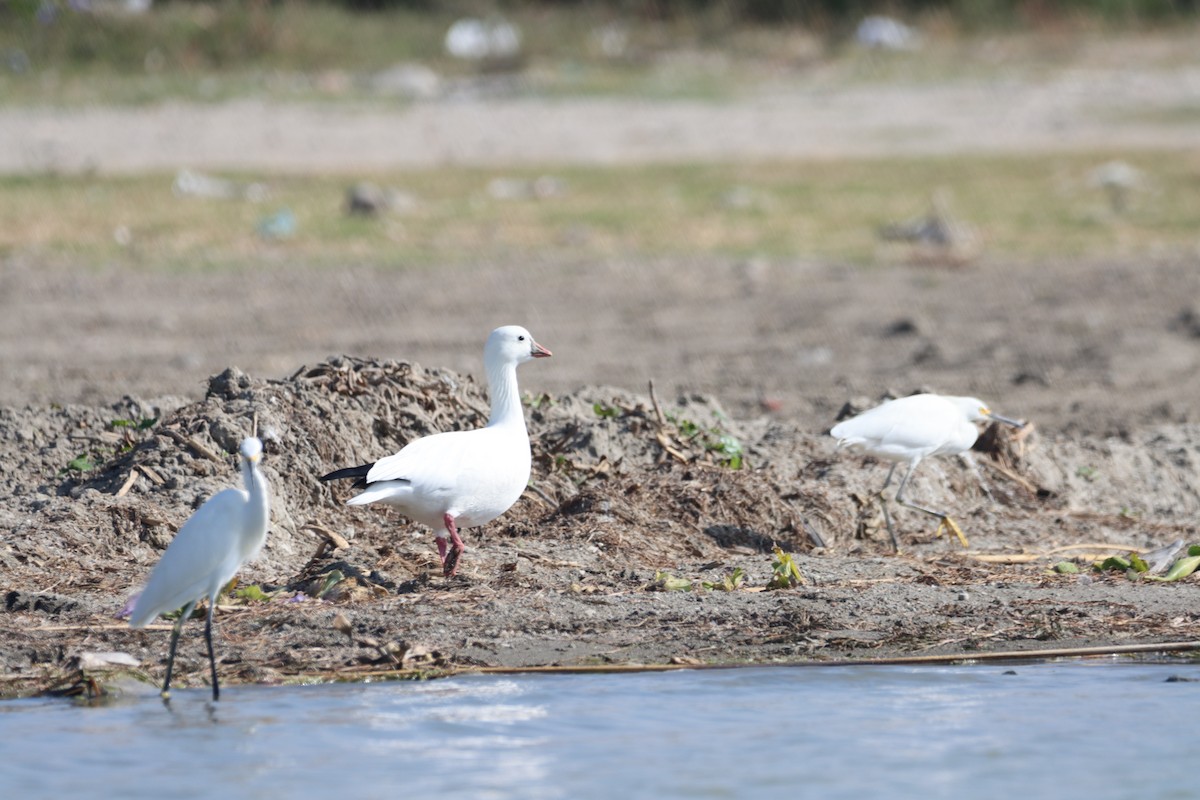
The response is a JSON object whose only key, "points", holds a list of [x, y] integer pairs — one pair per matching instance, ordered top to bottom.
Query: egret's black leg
{"points": [[887, 518], [944, 520], [183, 616], [212, 661]]}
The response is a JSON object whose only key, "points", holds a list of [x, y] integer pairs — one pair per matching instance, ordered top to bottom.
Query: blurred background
{"points": [[786, 204]]}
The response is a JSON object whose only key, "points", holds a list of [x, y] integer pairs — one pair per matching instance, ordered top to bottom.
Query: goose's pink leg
{"points": [[450, 562]]}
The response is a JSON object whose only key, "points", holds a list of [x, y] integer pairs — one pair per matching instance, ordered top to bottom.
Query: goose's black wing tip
{"points": [[359, 473]]}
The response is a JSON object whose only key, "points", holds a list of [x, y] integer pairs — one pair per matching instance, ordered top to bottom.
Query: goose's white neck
{"points": [[506, 397]]}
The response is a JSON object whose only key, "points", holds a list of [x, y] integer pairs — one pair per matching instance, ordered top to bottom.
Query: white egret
{"points": [[911, 428], [460, 479], [228, 530]]}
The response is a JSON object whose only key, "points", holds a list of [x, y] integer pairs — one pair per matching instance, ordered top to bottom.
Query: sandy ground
{"points": [[1087, 108], [1100, 348], [1101, 356]]}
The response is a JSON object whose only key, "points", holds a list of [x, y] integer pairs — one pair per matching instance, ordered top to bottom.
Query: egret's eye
{"points": [[520, 338], [984, 410]]}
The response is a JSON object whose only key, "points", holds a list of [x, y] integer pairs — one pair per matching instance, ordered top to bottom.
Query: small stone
{"points": [[411, 80], [365, 199], [44, 602], [91, 662]]}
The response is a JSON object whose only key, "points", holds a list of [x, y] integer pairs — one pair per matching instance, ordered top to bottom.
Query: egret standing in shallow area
{"points": [[911, 428], [460, 479], [224, 533]]}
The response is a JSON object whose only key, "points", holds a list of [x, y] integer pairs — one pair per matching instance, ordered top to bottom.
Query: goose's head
{"points": [[512, 344], [976, 410], [251, 449]]}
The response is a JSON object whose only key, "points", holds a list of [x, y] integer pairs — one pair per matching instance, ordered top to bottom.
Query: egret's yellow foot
{"points": [[953, 526]]}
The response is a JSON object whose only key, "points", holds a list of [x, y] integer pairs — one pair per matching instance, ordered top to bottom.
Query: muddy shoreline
{"points": [[580, 573]]}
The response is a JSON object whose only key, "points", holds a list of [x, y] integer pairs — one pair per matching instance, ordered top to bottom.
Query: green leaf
{"points": [[538, 401], [605, 412], [139, 424], [688, 429], [727, 445], [729, 448], [80, 463], [1194, 550], [1118, 563], [1138, 563], [1183, 567], [1066, 568], [785, 572], [736, 578], [332, 579], [666, 582], [729, 583], [252, 593], [177, 613]]}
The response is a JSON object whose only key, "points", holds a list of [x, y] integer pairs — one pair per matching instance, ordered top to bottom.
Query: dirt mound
{"points": [[118, 481], [648, 483], [623, 487]]}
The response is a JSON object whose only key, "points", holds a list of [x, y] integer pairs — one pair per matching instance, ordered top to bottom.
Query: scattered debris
{"points": [[131, 8], [878, 32], [610, 41], [493, 43], [17, 61], [410, 80], [1119, 180], [189, 183], [540, 188], [741, 198], [365, 199], [370, 200], [278, 226], [936, 238], [1187, 322], [909, 326], [1162, 557], [342, 624], [91, 662]]}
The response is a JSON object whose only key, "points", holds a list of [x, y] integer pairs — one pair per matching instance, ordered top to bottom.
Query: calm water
{"points": [[1091, 729]]}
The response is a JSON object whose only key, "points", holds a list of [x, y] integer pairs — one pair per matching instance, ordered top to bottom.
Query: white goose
{"points": [[911, 428], [460, 479]]}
